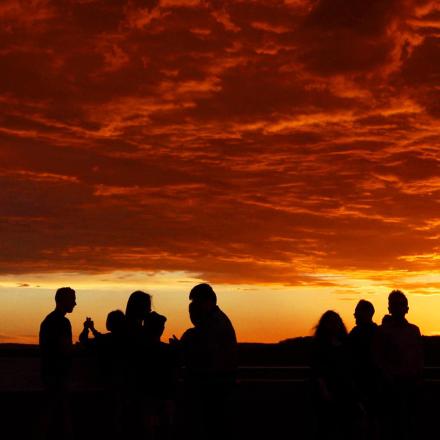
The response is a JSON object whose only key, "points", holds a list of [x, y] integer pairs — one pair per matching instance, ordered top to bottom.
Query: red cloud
{"points": [[245, 142]]}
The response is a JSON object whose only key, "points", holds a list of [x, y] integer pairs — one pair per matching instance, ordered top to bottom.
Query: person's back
{"points": [[219, 336], [360, 342], [398, 344], [110, 347], [400, 349], [399, 355], [162, 359], [329, 361], [364, 370], [334, 397]]}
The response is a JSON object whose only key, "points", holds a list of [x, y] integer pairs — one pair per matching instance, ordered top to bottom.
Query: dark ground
{"points": [[272, 400]]}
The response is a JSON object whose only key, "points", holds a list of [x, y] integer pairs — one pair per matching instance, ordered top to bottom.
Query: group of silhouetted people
{"points": [[140, 372], [365, 383]]}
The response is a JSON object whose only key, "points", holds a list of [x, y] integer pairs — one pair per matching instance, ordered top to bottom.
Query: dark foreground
{"points": [[270, 402]]}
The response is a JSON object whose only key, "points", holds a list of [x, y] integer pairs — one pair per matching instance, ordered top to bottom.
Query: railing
{"points": [[23, 374]]}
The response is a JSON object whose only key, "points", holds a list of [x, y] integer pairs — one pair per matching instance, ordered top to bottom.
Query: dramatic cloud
{"points": [[240, 141]]}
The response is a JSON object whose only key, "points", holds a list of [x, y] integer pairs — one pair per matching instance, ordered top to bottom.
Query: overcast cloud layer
{"points": [[242, 141]]}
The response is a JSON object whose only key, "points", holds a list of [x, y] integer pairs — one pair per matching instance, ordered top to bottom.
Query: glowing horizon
{"points": [[286, 149], [260, 313]]}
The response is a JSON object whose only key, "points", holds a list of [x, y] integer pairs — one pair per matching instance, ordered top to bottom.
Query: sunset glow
{"points": [[287, 152]]}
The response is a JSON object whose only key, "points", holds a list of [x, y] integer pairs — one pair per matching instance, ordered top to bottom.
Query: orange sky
{"points": [[288, 152]]}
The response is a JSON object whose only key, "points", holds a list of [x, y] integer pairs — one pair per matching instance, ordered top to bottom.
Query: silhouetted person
{"points": [[141, 340], [110, 346], [110, 349], [210, 349], [399, 354], [56, 363], [163, 368], [365, 371], [337, 404]]}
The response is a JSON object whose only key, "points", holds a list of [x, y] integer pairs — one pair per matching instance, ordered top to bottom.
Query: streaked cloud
{"points": [[240, 142]]}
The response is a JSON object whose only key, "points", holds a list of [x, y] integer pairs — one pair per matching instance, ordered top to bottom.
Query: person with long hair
{"points": [[139, 380], [337, 407]]}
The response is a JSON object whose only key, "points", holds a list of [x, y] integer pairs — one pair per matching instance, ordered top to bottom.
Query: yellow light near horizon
{"points": [[260, 313]]}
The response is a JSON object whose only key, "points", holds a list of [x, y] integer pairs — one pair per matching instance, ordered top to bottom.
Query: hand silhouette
{"points": [[89, 324], [174, 340]]}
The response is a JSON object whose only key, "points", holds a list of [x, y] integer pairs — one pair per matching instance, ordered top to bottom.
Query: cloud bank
{"points": [[242, 141]]}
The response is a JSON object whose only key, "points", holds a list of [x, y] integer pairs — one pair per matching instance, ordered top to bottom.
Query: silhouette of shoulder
{"points": [[219, 324], [404, 328], [55, 331], [362, 334], [361, 337], [55, 346], [211, 346], [400, 348]]}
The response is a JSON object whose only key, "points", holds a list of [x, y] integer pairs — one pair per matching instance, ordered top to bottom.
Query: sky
{"points": [[286, 151]]}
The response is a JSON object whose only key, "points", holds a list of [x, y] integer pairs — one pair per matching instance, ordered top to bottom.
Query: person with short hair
{"points": [[56, 340], [110, 349], [209, 350], [399, 355], [56, 363], [365, 372]]}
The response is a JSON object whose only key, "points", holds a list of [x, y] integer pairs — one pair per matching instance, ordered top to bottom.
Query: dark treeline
{"points": [[363, 383]]}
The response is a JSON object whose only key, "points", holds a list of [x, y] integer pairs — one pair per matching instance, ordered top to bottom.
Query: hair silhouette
{"points": [[203, 292], [62, 293], [397, 296], [397, 304], [138, 305], [366, 307], [115, 322], [155, 325], [330, 325], [335, 399]]}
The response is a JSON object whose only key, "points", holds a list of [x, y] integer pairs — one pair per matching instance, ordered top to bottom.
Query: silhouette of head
{"points": [[203, 293], [65, 299], [203, 301], [397, 304], [138, 306], [364, 312], [194, 314], [115, 321], [155, 325], [330, 326]]}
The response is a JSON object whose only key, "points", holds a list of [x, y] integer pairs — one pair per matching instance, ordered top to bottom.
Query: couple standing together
{"points": [[144, 368]]}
